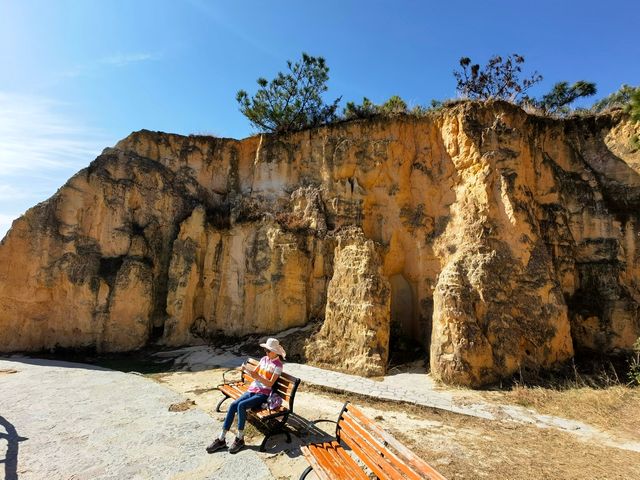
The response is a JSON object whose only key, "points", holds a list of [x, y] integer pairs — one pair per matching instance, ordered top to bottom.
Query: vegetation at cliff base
{"points": [[634, 365]]}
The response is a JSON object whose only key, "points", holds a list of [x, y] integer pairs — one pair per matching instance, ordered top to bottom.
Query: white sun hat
{"points": [[274, 345]]}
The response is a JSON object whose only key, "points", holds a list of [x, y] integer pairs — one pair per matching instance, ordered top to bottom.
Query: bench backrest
{"points": [[285, 386], [381, 452]]}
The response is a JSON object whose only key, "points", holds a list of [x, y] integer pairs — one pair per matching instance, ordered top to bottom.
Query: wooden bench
{"points": [[274, 421], [385, 456]]}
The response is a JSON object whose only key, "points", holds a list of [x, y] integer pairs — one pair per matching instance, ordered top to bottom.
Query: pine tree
{"points": [[562, 95], [621, 98], [291, 101]]}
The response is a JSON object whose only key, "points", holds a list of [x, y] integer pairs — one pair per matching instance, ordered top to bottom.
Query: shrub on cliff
{"points": [[498, 79], [627, 98], [621, 99], [291, 101], [557, 101], [634, 105], [394, 106], [367, 109]]}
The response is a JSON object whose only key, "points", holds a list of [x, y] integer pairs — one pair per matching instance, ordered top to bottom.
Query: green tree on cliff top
{"points": [[562, 95], [622, 98], [291, 101], [634, 105]]}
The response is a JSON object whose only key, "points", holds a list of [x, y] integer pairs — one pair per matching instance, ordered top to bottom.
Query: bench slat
{"points": [[285, 386], [284, 389], [232, 390], [265, 413], [371, 445], [373, 452], [378, 452], [407, 456], [329, 460], [333, 460], [315, 464], [375, 464], [354, 468]]}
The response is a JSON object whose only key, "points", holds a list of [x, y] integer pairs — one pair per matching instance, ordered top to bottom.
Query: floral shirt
{"points": [[266, 368]]}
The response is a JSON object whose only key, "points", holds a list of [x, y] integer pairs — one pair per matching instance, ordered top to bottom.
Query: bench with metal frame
{"points": [[274, 421], [369, 446]]}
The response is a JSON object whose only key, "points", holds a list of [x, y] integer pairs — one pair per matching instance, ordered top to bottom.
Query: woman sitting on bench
{"points": [[264, 376]]}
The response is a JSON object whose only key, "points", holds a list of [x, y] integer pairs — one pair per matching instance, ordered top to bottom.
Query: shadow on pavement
{"points": [[46, 362], [141, 362], [11, 456]]}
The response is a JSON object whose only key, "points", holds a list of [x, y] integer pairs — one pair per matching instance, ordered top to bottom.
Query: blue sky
{"points": [[77, 75]]}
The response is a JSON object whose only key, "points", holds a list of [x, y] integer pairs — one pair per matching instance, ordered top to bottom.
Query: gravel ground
{"points": [[70, 421]]}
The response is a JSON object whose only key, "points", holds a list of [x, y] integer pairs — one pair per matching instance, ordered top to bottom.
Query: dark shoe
{"points": [[217, 445], [236, 446]]}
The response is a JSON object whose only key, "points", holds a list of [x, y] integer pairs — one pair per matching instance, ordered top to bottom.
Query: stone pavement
{"points": [[416, 388], [70, 421]]}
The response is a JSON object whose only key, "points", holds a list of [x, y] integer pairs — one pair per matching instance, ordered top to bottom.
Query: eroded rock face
{"points": [[494, 240], [252, 277], [355, 333]]}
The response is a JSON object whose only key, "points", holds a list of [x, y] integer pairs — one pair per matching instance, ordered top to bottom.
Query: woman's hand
{"points": [[248, 368]]}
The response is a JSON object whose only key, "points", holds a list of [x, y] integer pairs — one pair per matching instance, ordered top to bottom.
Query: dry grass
{"points": [[182, 406], [614, 409], [463, 447], [470, 448]]}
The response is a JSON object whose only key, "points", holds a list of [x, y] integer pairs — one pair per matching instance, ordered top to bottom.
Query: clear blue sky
{"points": [[77, 75]]}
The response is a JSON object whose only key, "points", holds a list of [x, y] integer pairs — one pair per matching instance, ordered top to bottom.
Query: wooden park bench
{"points": [[273, 421], [370, 447]]}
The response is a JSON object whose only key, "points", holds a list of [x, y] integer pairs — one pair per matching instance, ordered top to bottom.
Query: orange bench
{"points": [[275, 420], [386, 457]]}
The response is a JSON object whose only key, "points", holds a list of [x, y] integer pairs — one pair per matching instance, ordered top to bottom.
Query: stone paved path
{"points": [[69, 421]]}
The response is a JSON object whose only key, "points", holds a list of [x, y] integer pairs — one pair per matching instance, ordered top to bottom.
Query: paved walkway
{"points": [[416, 388], [61, 420]]}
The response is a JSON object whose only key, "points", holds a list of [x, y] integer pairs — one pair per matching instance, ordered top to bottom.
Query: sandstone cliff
{"points": [[494, 239]]}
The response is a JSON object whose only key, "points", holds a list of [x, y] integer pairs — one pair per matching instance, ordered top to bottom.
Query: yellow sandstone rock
{"points": [[494, 240]]}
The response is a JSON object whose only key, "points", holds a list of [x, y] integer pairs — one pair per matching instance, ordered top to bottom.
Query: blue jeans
{"points": [[247, 401]]}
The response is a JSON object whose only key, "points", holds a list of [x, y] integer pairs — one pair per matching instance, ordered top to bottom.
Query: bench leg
{"points": [[220, 403], [271, 434], [305, 473]]}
